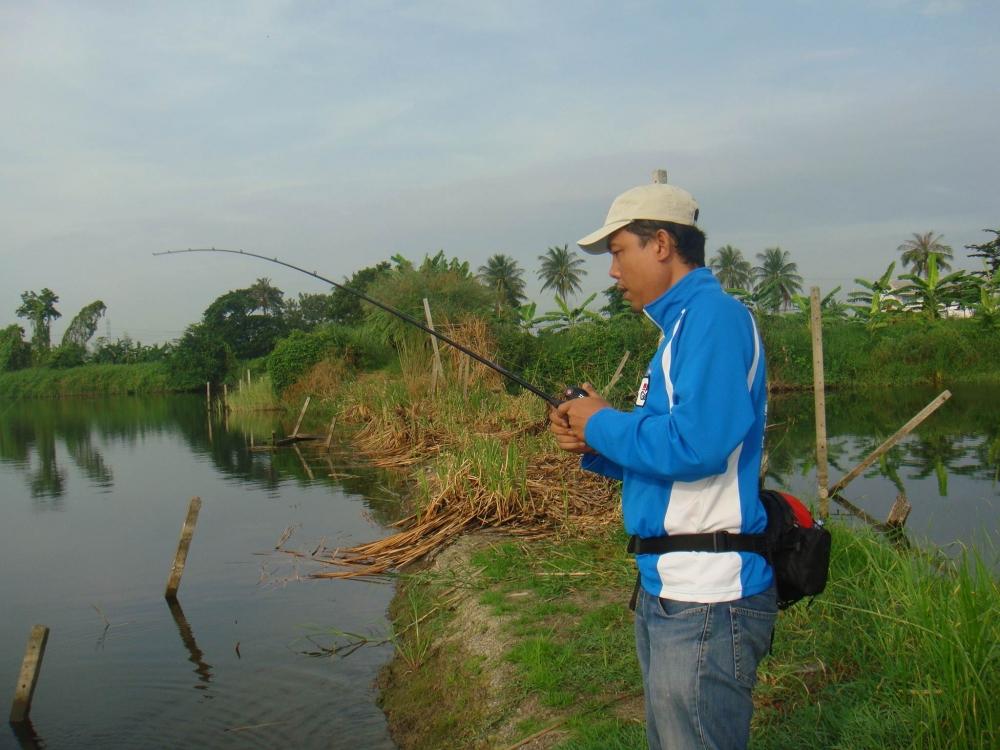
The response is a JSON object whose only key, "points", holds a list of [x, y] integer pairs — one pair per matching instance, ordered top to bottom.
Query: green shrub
{"points": [[296, 353]]}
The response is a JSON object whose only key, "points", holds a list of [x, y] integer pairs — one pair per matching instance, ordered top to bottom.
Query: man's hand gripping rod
{"points": [[570, 392]]}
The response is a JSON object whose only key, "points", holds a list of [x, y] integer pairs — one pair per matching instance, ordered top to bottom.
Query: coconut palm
{"points": [[918, 249], [730, 267], [561, 270], [778, 272], [505, 278], [266, 297]]}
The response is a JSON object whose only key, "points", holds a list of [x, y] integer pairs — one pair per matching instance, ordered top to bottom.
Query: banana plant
{"points": [[933, 294], [876, 303], [567, 316]]}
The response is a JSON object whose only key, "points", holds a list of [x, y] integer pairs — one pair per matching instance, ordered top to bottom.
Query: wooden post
{"points": [[437, 370], [618, 373], [248, 377], [208, 394], [225, 395], [819, 398], [302, 413], [902, 432], [329, 433], [899, 512], [187, 531], [28, 678]]}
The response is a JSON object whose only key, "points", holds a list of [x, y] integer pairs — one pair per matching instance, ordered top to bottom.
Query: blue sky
{"points": [[333, 135]]}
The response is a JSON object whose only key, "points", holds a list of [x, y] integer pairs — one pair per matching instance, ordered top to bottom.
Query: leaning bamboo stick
{"points": [[902, 432]]}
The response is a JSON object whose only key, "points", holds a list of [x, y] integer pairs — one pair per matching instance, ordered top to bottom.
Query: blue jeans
{"points": [[699, 665]]}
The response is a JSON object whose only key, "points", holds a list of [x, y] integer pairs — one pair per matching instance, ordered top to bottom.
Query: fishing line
{"points": [[570, 392]]}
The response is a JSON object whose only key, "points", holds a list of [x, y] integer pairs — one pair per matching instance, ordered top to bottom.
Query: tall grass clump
{"points": [[257, 396], [901, 650]]}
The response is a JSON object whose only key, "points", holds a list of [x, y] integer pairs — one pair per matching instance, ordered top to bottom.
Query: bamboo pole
{"points": [[437, 370], [618, 373], [208, 394], [819, 398], [298, 423], [329, 432], [902, 432], [180, 558], [31, 666]]}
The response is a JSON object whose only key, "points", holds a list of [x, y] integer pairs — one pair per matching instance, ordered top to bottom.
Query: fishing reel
{"points": [[572, 392]]}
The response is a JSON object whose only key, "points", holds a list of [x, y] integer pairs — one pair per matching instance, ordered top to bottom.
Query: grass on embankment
{"points": [[86, 380], [257, 396], [897, 653]]}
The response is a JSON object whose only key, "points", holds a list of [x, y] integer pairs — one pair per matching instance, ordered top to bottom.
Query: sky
{"points": [[333, 135]]}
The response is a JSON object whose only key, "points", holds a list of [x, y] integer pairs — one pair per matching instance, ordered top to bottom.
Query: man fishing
{"points": [[688, 456]]}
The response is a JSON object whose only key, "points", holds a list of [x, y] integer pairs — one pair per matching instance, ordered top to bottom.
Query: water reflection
{"points": [[41, 438], [962, 438], [195, 656], [27, 737]]}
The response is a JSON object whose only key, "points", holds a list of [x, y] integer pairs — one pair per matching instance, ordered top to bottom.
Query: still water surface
{"points": [[93, 494], [92, 498]]}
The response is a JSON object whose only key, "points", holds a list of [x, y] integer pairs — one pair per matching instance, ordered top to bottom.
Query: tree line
{"points": [[244, 324]]}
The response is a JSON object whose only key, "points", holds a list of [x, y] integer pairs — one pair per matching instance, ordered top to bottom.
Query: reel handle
{"points": [[574, 392]]}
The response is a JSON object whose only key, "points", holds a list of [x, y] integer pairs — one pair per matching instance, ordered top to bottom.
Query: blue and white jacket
{"points": [[689, 454]]}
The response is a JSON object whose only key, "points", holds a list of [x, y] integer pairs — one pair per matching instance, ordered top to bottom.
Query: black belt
{"points": [[719, 541]]}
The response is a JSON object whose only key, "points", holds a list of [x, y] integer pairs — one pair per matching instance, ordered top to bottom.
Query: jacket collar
{"points": [[672, 302]]}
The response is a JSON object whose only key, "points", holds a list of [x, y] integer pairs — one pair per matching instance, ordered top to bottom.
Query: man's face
{"points": [[635, 268]]}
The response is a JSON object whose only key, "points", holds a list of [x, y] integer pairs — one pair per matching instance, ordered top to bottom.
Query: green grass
{"points": [[86, 380], [258, 396], [901, 651]]}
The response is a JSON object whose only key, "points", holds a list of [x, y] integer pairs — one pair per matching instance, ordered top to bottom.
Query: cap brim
{"points": [[593, 243]]}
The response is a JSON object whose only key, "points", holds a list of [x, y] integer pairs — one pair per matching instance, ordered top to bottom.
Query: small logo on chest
{"points": [[640, 398]]}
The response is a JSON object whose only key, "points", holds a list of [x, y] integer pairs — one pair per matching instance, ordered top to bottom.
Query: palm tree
{"points": [[918, 249], [731, 269], [561, 271], [778, 272], [502, 275], [266, 297], [40, 310]]}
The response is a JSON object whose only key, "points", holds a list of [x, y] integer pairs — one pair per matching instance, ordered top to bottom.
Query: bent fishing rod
{"points": [[570, 392]]}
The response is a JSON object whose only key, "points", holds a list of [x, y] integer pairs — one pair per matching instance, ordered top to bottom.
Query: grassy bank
{"points": [[86, 380], [502, 640], [897, 653]]}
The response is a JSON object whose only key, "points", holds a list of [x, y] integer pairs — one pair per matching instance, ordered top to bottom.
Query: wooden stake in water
{"points": [[208, 394], [819, 397], [298, 423], [329, 433], [187, 531], [28, 677]]}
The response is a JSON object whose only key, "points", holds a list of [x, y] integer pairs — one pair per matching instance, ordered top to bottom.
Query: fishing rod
{"points": [[570, 392]]}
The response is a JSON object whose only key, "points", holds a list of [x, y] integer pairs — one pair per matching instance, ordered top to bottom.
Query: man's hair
{"points": [[690, 241]]}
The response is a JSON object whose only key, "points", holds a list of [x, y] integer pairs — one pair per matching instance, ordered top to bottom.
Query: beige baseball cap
{"points": [[657, 202]]}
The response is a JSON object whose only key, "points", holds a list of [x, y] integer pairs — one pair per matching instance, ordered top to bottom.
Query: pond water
{"points": [[948, 467], [93, 494], [92, 497]]}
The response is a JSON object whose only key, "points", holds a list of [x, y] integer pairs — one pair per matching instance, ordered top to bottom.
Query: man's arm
{"points": [[712, 411]]}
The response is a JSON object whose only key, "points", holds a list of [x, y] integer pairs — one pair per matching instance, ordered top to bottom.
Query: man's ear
{"points": [[664, 244]]}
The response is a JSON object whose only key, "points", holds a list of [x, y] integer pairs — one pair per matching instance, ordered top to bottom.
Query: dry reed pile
{"points": [[478, 457]]}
